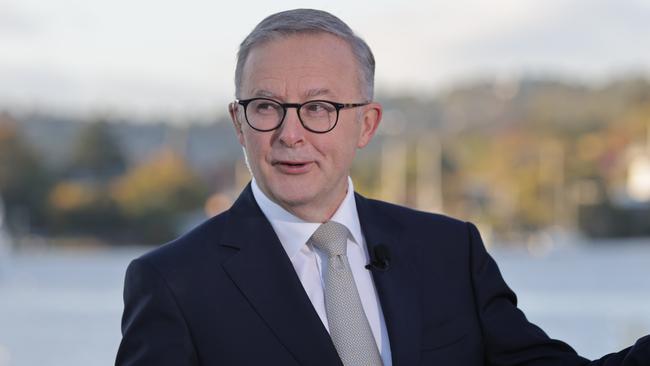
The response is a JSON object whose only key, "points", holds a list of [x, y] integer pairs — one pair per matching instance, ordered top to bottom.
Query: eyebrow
{"points": [[317, 92], [264, 93], [311, 93]]}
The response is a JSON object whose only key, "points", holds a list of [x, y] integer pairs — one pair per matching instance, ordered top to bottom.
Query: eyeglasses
{"points": [[318, 116]]}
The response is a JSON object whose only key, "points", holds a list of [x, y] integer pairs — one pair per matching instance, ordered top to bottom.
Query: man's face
{"points": [[305, 172]]}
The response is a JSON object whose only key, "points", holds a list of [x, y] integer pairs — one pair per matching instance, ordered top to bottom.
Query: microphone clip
{"points": [[379, 259]]}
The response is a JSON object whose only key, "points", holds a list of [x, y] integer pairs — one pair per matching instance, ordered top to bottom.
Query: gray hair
{"points": [[300, 21]]}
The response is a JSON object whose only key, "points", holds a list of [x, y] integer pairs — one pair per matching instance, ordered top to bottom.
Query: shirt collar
{"points": [[294, 232]]}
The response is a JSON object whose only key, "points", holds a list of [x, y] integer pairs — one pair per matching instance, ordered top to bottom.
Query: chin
{"points": [[294, 197]]}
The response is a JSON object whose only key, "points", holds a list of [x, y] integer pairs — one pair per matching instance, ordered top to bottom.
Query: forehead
{"points": [[295, 66]]}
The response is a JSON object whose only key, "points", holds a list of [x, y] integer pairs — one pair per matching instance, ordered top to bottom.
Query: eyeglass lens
{"points": [[264, 114]]}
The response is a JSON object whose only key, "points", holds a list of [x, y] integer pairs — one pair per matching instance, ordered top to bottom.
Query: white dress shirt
{"points": [[293, 233]]}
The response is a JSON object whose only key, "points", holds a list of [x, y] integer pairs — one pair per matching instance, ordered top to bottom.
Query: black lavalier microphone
{"points": [[379, 259]]}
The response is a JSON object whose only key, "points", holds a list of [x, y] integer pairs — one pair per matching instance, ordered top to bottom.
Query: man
{"points": [[281, 279]]}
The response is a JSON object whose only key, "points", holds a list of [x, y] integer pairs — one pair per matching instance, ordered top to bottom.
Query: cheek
{"points": [[254, 148], [342, 154]]}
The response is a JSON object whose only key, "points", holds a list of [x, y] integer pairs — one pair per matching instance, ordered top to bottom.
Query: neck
{"points": [[315, 209], [315, 213]]}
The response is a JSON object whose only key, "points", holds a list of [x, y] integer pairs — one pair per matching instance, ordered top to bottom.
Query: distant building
{"points": [[638, 176], [626, 212]]}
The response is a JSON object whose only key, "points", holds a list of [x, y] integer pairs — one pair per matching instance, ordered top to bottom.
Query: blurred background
{"points": [[530, 118]]}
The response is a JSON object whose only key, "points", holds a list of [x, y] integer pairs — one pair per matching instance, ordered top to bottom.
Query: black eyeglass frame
{"points": [[337, 106]]}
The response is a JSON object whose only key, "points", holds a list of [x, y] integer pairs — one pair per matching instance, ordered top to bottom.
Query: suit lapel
{"points": [[264, 274], [397, 286]]}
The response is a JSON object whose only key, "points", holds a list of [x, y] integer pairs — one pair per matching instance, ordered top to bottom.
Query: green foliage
{"points": [[97, 153], [517, 158], [519, 163], [24, 181], [156, 193], [96, 196], [82, 208]]}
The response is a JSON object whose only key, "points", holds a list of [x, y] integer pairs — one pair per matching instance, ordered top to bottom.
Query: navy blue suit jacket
{"points": [[227, 294]]}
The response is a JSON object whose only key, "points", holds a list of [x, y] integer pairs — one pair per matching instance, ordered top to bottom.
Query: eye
{"points": [[265, 107], [318, 108]]}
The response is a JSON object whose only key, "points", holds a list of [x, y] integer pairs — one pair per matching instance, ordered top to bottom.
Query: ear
{"points": [[234, 116], [369, 123]]}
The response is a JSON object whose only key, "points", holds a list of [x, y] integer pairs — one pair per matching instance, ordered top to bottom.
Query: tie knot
{"points": [[331, 238]]}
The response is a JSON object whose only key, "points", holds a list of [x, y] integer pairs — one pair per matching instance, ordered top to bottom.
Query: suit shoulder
{"points": [[413, 216], [433, 234], [189, 246]]}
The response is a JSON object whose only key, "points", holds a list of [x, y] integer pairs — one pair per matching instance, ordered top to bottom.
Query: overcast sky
{"points": [[175, 57]]}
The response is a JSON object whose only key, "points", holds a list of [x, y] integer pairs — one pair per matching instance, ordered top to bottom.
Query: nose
{"points": [[291, 132]]}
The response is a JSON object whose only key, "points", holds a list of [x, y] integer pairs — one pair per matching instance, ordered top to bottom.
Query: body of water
{"points": [[63, 307]]}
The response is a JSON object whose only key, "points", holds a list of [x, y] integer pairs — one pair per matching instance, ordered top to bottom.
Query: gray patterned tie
{"points": [[348, 325]]}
